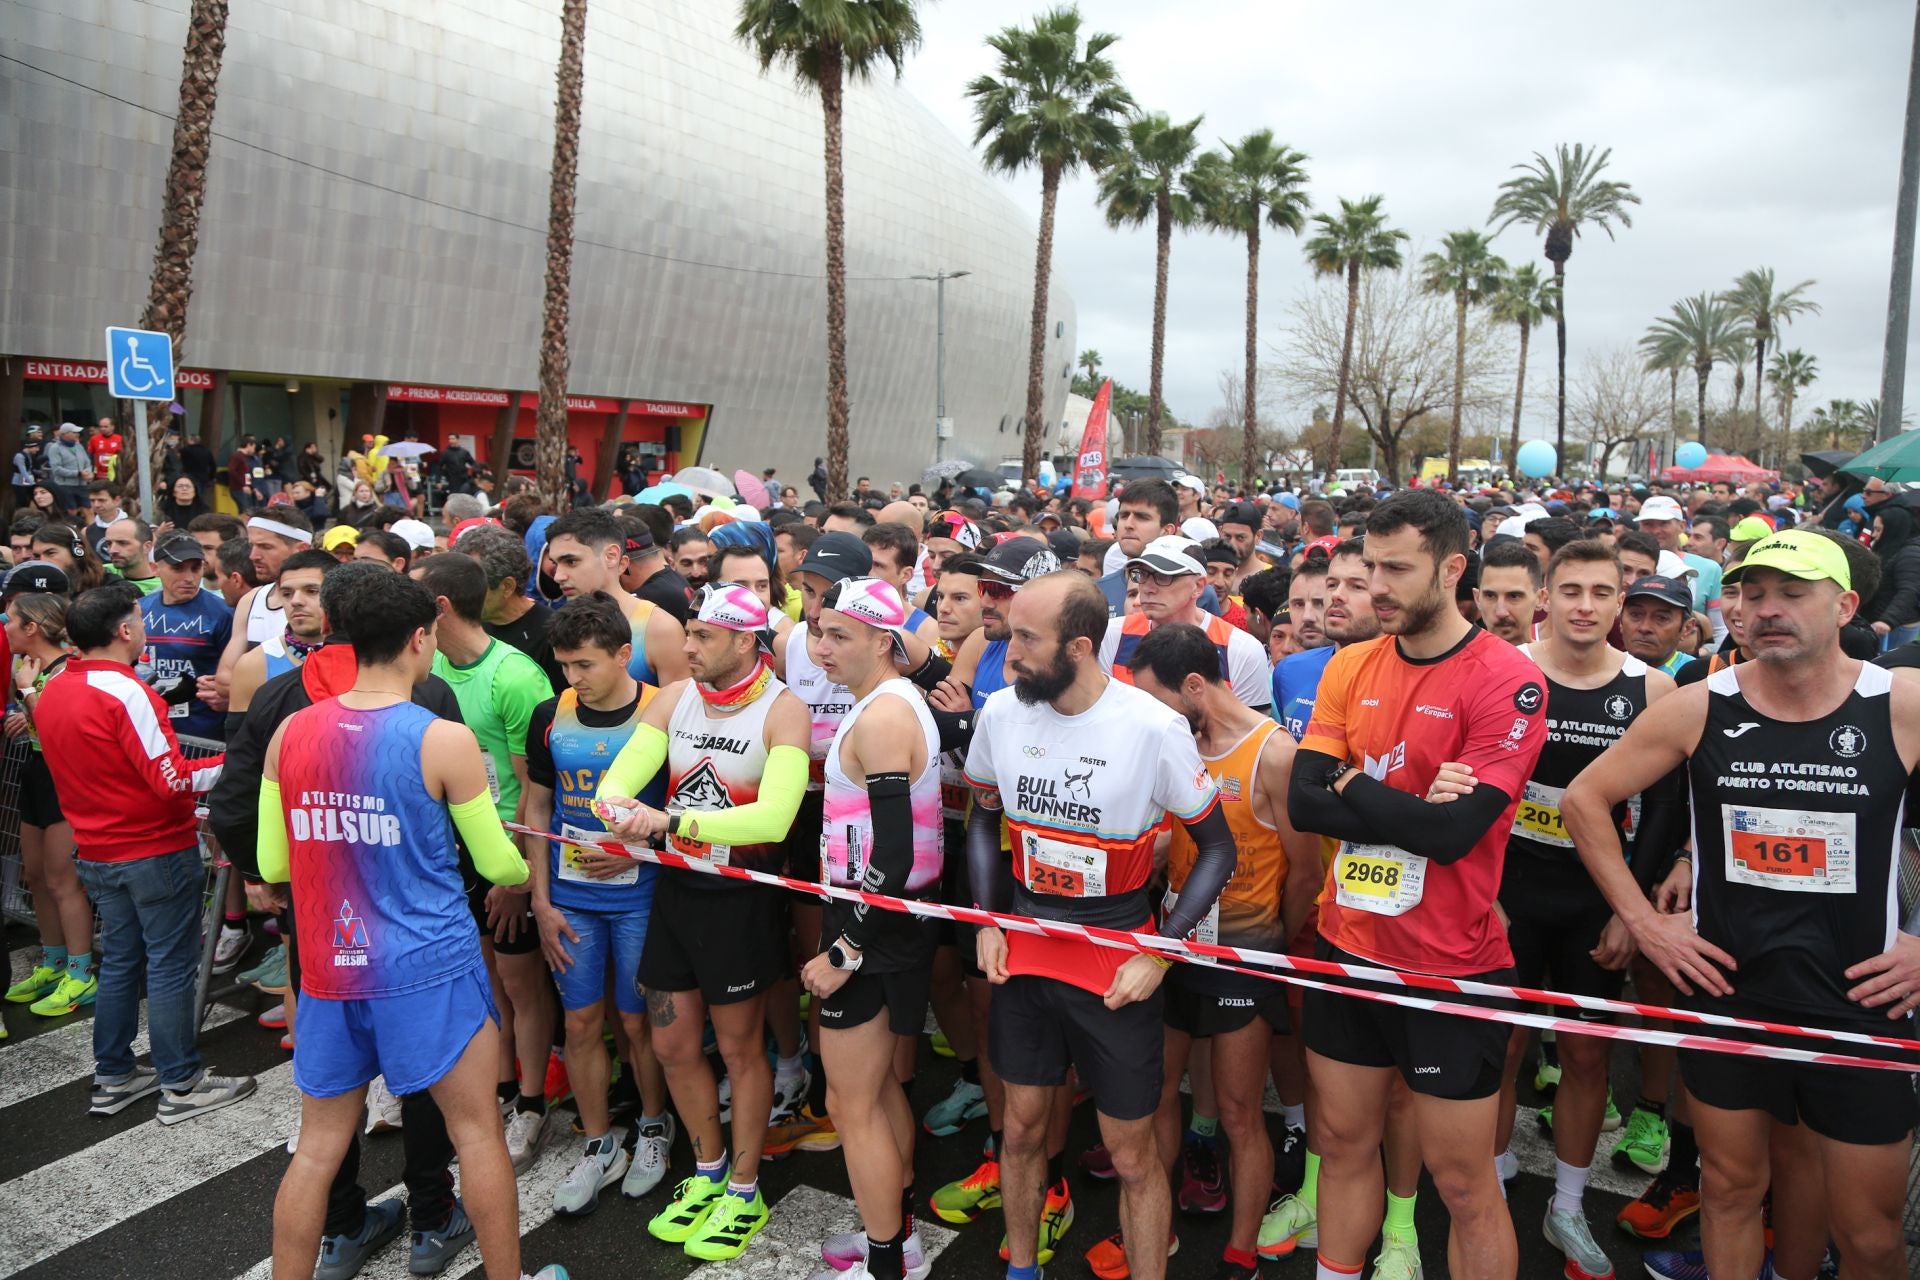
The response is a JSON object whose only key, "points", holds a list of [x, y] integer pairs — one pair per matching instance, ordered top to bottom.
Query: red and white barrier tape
{"points": [[1205, 952]]}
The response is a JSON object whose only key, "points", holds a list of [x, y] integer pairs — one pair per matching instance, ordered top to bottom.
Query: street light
{"points": [[940, 426]]}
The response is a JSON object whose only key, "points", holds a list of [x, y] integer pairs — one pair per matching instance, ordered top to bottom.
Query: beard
{"points": [[1033, 688]]}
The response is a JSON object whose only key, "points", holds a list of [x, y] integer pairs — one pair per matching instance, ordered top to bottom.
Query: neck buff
{"points": [[301, 649], [740, 693]]}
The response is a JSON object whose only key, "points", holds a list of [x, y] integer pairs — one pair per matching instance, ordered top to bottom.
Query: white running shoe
{"points": [[230, 946], [725, 1090], [207, 1092], [788, 1100], [383, 1108], [525, 1132], [652, 1152], [604, 1161], [1570, 1234], [846, 1253]]}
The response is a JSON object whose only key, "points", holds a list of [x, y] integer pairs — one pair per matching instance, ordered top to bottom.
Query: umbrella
{"points": [[405, 449], [1895, 461], [1824, 462], [1146, 464], [945, 470], [977, 478], [705, 480], [751, 491], [653, 493]]}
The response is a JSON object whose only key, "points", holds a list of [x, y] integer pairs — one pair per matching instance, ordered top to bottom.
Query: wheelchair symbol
{"points": [[149, 377]]}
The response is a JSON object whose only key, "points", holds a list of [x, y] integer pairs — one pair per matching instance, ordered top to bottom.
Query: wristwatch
{"points": [[1340, 771], [843, 957]]}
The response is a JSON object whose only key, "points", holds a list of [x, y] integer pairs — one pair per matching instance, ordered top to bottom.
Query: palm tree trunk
{"points": [[1162, 253], [170, 287], [1037, 334], [1560, 339], [1346, 369], [1759, 374], [1459, 384], [1519, 394], [1673, 404], [838, 411], [1786, 422], [1700, 423], [550, 431], [1250, 443]]}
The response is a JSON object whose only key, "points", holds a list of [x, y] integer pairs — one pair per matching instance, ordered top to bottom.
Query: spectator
{"points": [[103, 449], [197, 460], [27, 461], [312, 467], [68, 469], [457, 469], [240, 474], [817, 479], [103, 502], [311, 502], [44, 503], [182, 503], [363, 509], [62, 545], [1896, 605], [139, 856]]}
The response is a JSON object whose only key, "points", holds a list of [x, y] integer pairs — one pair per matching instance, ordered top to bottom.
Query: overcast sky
{"points": [[1761, 133]]}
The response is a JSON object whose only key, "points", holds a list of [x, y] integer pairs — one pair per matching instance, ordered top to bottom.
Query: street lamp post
{"points": [[940, 279]]}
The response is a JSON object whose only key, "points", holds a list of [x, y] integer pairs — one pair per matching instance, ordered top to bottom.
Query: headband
{"points": [[284, 530]]}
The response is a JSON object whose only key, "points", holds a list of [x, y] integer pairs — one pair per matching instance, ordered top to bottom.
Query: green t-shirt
{"points": [[147, 585], [497, 695]]}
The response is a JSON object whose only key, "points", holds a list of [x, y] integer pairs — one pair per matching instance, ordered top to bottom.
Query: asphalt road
{"points": [[124, 1199]]}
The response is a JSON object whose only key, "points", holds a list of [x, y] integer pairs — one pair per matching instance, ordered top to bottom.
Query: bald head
{"points": [[904, 513], [1064, 604]]}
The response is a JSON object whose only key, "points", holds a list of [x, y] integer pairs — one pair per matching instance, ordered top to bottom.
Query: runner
{"points": [[1147, 509], [587, 549], [1171, 575], [1511, 579], [1341, 589], [260, 614], [1652, 620], [303, 628], [187, 630], [734, 745], [1086, 769], [882, 834], [1413, 883], [1798, 897], [592, 907], [1562, 934], [394, 983]]}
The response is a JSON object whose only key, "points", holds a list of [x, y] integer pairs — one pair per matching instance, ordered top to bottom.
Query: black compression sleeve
{"points": [[930, 673], [956, 728], [1311, 807], [1664, 820], [1444, 832], [890, 861], [1213, 866], [990, 869]]}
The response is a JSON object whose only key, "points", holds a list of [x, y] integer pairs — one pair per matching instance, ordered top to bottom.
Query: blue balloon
{"points": [[1690, 455], [1535, 459]]}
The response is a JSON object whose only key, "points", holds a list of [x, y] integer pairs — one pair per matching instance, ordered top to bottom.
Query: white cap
{"points": [[1192, 482], [1660, 507], [1511, 527], [1200, 529], [418, 535], [1170, 555], [1670, 565]]}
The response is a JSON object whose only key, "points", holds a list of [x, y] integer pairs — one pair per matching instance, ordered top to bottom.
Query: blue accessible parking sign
{"points": [[139, 364]]}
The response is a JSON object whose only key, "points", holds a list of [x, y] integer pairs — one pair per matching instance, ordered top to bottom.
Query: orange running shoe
{"points": [[1670, 1201], [1056, 1215], [1108, 1259]]}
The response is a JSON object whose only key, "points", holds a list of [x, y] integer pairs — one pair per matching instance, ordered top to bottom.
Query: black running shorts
{"points": [[39, 806], [1552, 935], [525, 942], [730, 944], [903, 995], [1203, 1003], [1037, 1027], [1440, 1055]]}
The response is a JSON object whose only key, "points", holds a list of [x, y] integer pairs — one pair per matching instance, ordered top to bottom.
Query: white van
{"points": [[1353, 478]]}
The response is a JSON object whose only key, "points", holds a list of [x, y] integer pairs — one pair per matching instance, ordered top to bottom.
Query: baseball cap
{"points": [[65, 427], [1194, 483], [1288, 501], [1660, 507], [1240, 513], [475, 522], [954, 526], [1200, 529], [1750, 529], [418, 534], [344, 535], [1325, 542], [1064, 544], [179, 547], [1799, 554], [1170, 555], [836, 556], [1018, 560], [40, 577], [1667, 590], [873, 601], [730, 605]]}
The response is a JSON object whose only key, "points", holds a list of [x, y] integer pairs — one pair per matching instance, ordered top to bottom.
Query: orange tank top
{"points": [[1248, 913]]}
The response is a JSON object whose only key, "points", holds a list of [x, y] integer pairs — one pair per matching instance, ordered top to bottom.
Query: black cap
{"points": [[1245, 513], [1064, 544], [179, 547], [837, 556], [1018, 560], [40, 577], [1671, 591]]}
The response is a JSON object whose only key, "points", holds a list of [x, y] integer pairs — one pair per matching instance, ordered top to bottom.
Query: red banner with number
{"points": [[1090, 470]]}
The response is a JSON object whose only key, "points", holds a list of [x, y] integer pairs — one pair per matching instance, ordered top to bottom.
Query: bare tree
{"points": [[1402, 366], [1615, 401]]}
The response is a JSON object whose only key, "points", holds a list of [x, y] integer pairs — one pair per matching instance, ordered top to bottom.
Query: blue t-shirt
{"points": [[184, 641], [1296, 684]]}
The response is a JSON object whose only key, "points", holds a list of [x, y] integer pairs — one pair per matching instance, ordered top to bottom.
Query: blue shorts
{"points": [[606, 937], [413, 1039]]}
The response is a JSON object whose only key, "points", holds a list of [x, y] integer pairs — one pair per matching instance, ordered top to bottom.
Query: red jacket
{"points": [[123, 782]]}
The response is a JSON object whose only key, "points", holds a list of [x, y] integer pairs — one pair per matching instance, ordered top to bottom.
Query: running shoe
{"points": [[230, 946], [275, 956], [273, 978], [43, 979], [68, 994], [273, 1018], [286, 1042], [938, 1042], [1546, 1076], [723, 1089], [206, 1092], [111, 1097], [787, 1102], [383, 1109], [950, 1115], [1609, 1119], [526, 1130], [805, 1132], [1645, 1142], [652, 1149], [1290, 1162], [1097, 1163], [599, 1167], [1201, 1188], [977, 1193], [693, 1199], [1670, 1201], [1056, 1215], [1291, 1223], [729, 1227], [1570, 1234], [849, 1249], [431, 1252], [341, 1257], [1108, 1259], [1400, 1260], [1687, 1264], [1229, 1270], [552, 1271]]}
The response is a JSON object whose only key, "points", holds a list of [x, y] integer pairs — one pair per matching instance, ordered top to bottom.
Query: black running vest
{"points": [[1581, 723]]}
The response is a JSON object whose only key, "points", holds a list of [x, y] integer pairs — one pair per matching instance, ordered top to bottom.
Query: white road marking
{"points": [[39, 1063]]}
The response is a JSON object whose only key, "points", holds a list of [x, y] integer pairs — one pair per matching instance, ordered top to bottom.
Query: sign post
{"points": [[140, 367]]}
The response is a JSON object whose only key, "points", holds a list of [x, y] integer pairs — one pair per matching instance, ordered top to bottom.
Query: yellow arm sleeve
{"points": [[636, 764], [766, 818], [270, 836], [493, 853]]}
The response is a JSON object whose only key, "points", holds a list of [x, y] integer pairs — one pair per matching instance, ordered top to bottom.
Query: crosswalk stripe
{"points": [[53, 1058], [96, 1189]]}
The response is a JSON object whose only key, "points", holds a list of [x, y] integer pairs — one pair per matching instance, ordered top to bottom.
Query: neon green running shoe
{"points": [[43, 979], [67, 995], [938, 1040], [1546, 1076], [1609, 1121], [1645, 1143], [975, 1194], [687, 1212], [1290, 1223], [729, 1227]]}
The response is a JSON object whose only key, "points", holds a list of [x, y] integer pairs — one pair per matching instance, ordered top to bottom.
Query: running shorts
{"points": [[39, 806], [1552, 935], [525, 942], [729, 944], [605, 959], [902, 994], [1203, 1003], [1037, 1027], [412, 1039], [1440, 1055]]}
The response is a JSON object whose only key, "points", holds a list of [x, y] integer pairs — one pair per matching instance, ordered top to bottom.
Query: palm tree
{"points": [[826, 43], [1056, 105], [1147, 180], [1257, 181], [1558, 197], [1357, 239], [1471, 272], [170, 287], [1753, 295], [1525, 299], [1709, 331], [1668, 354], [1090, 361], [1790, 373], [550, 420]]}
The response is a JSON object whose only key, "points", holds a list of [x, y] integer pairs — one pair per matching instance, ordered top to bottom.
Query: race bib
{"points": [[179, 710], [493, 775], [1537, 817], [1789, 849], [719, 855], [570, 868], [856, 868], [1064, 870], [1381, 879], [1208, 930]]}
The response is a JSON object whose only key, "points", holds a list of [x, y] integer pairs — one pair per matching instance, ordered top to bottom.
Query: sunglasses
{"points": [[996, 590]]}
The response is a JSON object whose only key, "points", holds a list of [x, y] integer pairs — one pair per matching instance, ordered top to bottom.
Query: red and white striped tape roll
{"points": [[1295, 966]]}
